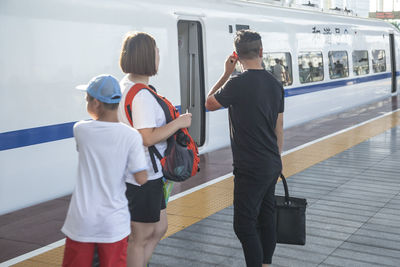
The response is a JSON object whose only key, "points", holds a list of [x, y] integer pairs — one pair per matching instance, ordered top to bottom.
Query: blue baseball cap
{"points": [[104, 88]]}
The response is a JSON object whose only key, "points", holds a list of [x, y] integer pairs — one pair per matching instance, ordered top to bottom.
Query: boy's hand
{"points": [[230, 64], [185, 120]]}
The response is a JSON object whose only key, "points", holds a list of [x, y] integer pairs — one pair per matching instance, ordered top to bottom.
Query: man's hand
{"points": [[230, 64]]}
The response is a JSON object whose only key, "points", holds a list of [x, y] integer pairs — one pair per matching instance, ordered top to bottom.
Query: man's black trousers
{"points": [[253, 219]]}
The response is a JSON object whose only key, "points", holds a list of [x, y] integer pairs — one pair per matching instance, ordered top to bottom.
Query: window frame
{"points": [[372, 58], [352, 61], [291, 64], [298, 65], [329, 65]]}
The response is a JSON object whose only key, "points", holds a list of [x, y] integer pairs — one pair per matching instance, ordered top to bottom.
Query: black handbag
{"points": [[290, 218]]}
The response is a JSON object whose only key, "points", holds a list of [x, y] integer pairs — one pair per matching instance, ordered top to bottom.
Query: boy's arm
{"points": [[211, 102], [279, 131], [140, 177]]}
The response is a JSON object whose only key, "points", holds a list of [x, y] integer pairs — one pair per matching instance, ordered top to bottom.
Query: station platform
{"points": [[346, 165]]}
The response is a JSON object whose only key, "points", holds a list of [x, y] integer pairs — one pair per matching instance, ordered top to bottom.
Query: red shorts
{"points": [[81, 254]]}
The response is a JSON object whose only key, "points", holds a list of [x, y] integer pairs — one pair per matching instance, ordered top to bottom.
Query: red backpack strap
{"points": [[129, 98]]}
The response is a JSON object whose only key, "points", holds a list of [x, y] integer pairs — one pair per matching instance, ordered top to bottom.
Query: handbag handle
{"points": [[286, 188]]}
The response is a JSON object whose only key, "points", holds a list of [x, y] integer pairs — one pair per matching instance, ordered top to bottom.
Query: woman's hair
{"points": [[247, 44], [138, 54]]}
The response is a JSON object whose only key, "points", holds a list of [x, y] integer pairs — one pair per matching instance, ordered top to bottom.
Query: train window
{"points": [[378, 61], [360, 62], [338, 64], [280, 65], [311, 67]]}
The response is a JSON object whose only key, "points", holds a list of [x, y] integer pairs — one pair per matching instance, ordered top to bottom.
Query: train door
{"points": [[393, 62], [191, 73]]}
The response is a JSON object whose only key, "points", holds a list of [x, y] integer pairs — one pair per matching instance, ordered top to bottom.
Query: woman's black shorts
{"points": [[146, 201]]}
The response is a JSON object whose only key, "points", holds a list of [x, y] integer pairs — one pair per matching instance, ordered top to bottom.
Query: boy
{"points": [[256, 102], [109, 153]]}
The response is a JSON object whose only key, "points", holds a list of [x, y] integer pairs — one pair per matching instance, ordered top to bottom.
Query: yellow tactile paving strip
{"points": [[198, 205]]}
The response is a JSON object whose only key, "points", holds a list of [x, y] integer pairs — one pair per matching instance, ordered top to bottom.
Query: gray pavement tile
{"points": [[344, 173], [391, 174], [374, 178], [316, 180], [311, 184], [374, 187], [303, 193], [361, 194], [346, 197], [395, 200], [353, 201], [340, 204], [393, 206], [345, 210], [226, 211], [338, 215], [388, 216], [220, 217], [337, 221], [384, 221], [216, 224], [331, 227], [381, 228], [210, 230], [327, 234], [378, 234], [207, 239], [317, 240], [373, 241], [198, 246], [308, 247], [371, 250], [189, 254], [307, 256], [366, 257], [173, 261], [232, 262], [289, 262], [347, 262]]}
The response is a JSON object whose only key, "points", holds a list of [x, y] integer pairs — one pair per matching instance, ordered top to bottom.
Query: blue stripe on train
{"points": [[325, 86], [39, 135], [33, 136]]}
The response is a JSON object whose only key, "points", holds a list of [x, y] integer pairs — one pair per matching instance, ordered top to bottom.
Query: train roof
{"points": [[120, 10]]}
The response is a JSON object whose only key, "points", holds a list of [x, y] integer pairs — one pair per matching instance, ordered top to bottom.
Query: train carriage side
{"points": [[59, 45]]}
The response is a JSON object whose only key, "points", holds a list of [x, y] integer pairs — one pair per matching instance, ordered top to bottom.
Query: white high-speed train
{"points": [[328, 63]]}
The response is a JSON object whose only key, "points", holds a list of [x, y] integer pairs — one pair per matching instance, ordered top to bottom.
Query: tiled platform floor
{"points": [[353, 217]]}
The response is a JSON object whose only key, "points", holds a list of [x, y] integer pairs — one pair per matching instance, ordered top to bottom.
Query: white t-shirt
{"points": [[146, 113], [108, 152]]}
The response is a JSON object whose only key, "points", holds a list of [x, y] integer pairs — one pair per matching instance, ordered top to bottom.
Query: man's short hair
{"points": [[248, 44], [138, 54]]}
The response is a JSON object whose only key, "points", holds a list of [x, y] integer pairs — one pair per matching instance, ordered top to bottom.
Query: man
{"points": [[279, 71], [256, 103]]}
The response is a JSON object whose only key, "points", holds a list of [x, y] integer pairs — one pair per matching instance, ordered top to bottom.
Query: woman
{"points": [[140, 60]]}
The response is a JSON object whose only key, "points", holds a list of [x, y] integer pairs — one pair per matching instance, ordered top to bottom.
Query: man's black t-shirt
{"points": [[254, 99]]}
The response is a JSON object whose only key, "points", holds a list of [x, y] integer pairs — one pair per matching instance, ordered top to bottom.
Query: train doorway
{"points": [[393, 62], [191, 74]]}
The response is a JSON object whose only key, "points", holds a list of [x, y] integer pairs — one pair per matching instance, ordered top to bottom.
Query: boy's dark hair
{"points": [[248, 44], [138, 54], [105, 105]]}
